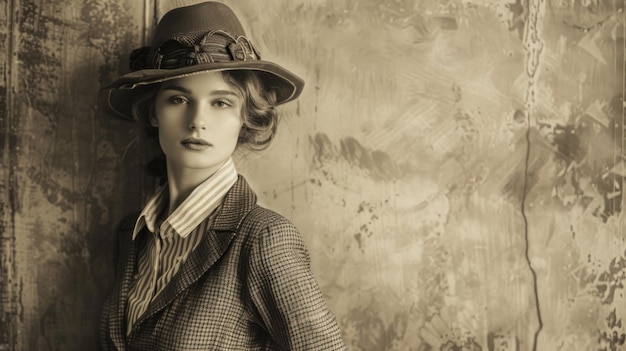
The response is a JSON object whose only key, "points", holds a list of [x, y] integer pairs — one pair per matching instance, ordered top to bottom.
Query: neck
{"points": [[181, 182]]}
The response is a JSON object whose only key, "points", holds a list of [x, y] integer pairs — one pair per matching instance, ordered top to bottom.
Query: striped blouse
{"points": [[173, 239]]}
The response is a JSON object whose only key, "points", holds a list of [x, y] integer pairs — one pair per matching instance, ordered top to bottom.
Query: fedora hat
{"points": [[206, 37]]}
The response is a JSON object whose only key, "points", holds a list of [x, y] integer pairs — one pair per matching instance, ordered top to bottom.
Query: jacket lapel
{"points": [[239, 200], [117, 320]]}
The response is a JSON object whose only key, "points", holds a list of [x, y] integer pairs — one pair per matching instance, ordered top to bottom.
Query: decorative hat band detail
{"points": [[183, 51]]}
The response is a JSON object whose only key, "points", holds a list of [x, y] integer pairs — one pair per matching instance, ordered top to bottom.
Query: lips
{"points": [[195, 144]]}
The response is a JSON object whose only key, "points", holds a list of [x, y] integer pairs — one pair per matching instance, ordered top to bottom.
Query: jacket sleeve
{"points": [[285, 293]]}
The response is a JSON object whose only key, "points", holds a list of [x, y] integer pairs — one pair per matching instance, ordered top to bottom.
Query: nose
{"points": [[196, 118], [197, 124]]}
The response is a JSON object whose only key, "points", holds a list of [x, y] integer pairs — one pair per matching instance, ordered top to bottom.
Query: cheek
{"points": [[232, 126], [240, 127], [171, 128], [168, 135], [233, 135], [163, 139]]}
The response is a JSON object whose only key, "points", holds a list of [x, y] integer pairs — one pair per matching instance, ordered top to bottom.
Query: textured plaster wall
{"points": [[456, 167], [63, 182]]}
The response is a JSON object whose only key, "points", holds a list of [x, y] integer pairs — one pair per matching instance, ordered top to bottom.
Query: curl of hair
{"points": [[143, 108], [259, 114]]}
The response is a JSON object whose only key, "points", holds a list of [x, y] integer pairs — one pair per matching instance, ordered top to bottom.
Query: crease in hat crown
{"points": [[194, 39]]}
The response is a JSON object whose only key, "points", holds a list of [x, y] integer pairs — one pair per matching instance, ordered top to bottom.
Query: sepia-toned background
{"points": [[456, 167]]}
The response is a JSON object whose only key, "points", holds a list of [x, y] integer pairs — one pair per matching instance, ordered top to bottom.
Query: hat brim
{"points": [[116, 98]]}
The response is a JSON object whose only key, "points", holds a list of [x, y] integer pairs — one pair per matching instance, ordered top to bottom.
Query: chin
{"points": [[185, 161]]}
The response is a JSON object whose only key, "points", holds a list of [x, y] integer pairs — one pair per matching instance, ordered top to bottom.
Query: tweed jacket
{"points": [[247, 286]]}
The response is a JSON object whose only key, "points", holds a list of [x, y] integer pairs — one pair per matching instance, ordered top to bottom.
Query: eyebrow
{"points": [[187, 91]]}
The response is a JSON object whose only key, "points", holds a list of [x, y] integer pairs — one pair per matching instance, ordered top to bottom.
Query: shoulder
{"points": [[262, 217], [128, 222], [266, 224], [125, 227], [273, 234]]}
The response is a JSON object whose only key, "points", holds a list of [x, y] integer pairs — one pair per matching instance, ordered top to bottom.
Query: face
{"points": [[199, 119]]}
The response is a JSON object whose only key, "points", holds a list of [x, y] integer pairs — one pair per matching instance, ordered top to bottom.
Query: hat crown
{"points": [[195, 19], [196, 34]]}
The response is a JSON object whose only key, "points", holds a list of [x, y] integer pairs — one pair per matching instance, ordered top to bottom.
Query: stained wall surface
{"points": [[456, 167]]}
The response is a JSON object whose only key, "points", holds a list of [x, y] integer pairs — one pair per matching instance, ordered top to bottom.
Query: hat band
{"points": [[215, 46]]}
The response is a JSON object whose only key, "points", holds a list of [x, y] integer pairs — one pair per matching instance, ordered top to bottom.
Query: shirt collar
{"points": [[203, 200]]}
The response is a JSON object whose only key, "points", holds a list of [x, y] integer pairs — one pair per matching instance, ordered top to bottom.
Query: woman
{"points": [[202, 266]]}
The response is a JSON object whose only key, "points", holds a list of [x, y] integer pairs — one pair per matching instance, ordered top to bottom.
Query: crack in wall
{"points": [[533, 45], [527, 240]]}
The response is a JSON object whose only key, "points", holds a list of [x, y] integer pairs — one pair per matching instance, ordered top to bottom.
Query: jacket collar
{"points": [[238, 202]]}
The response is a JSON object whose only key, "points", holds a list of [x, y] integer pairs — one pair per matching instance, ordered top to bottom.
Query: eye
{"points": [[178, 100], [222, 103]]}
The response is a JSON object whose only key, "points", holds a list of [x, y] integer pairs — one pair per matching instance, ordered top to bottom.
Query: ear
{"points": [[154, 121]]}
